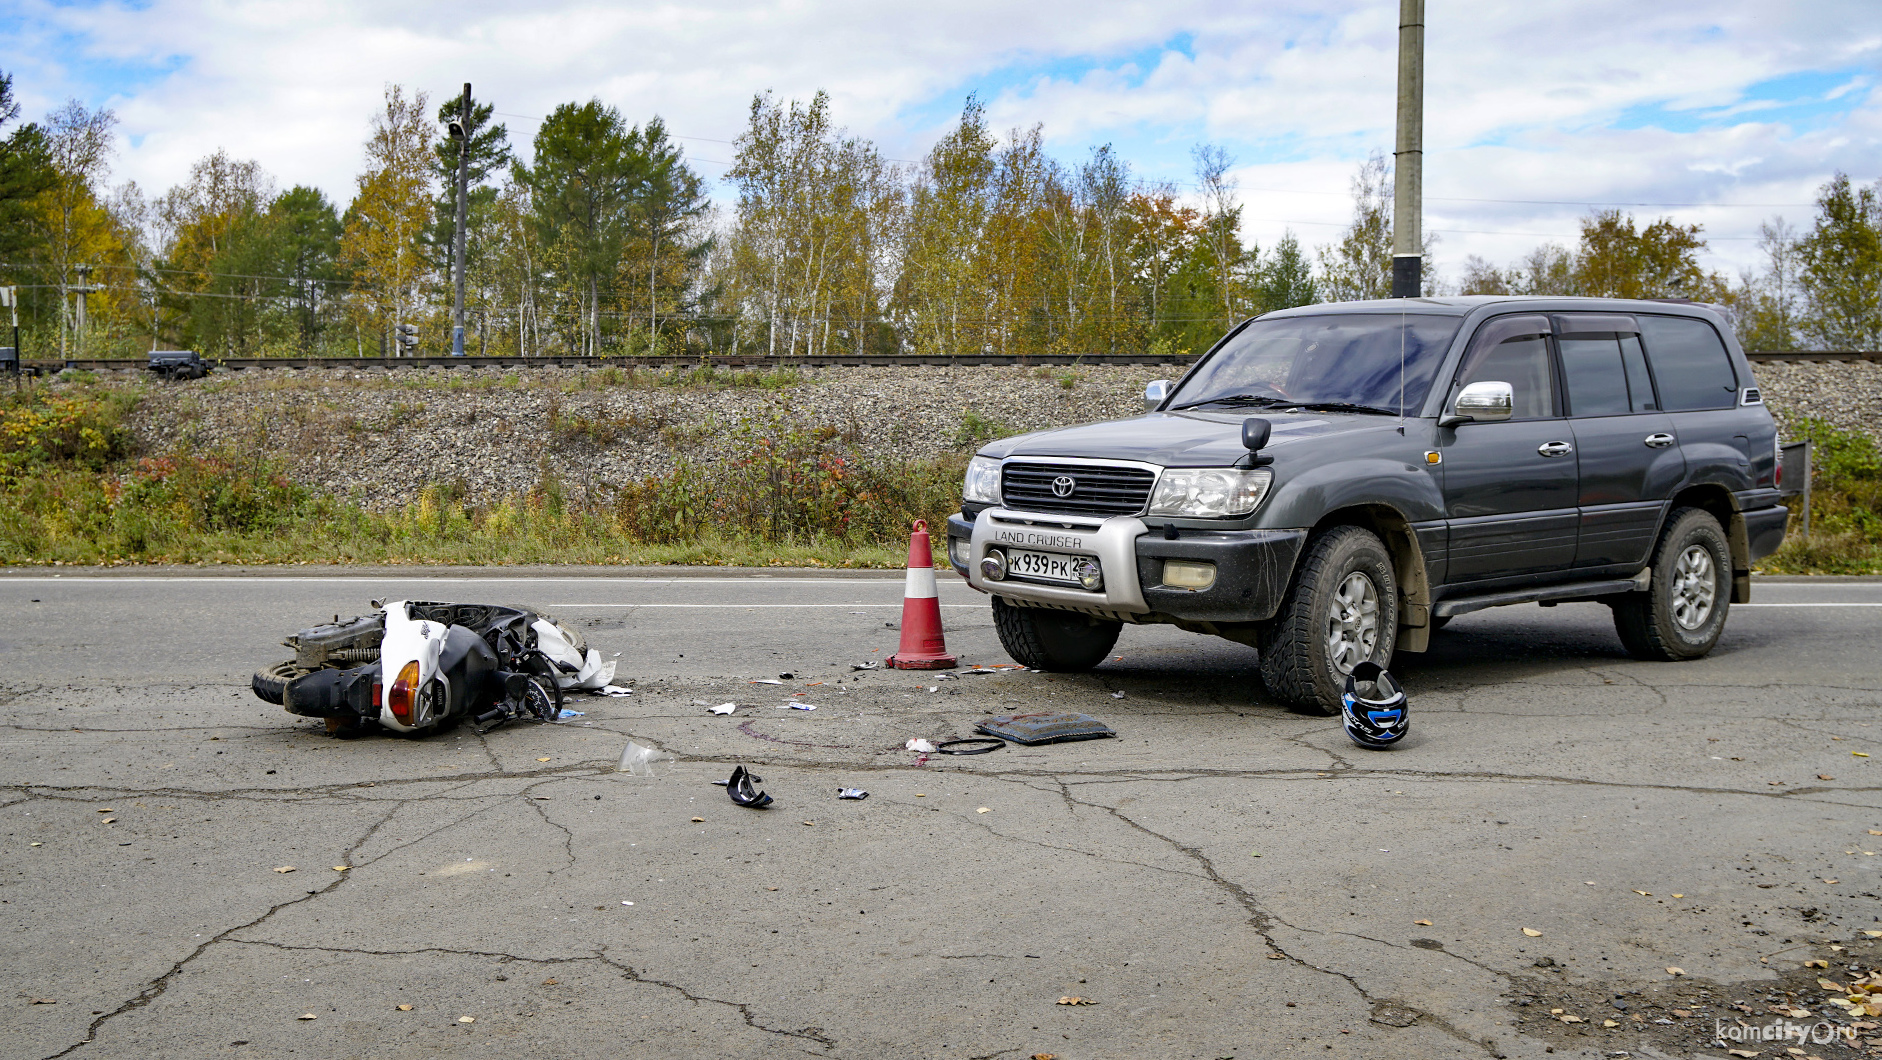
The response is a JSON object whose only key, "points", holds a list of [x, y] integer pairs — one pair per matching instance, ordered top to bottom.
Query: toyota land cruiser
{"points": [[1330, 484]]}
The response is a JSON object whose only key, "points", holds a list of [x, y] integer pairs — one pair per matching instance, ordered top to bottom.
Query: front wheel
{"points": [[1340, 611], [1682, 613], [1060, 641]]}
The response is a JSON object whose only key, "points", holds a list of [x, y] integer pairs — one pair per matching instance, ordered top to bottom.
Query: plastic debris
{"points": [[865, 666], [767, 681], [615, 690], [1117, 695], [796, 706], [723, 708], [567, 714], [1045, 727], [923, 746], [971, 746], [643, 761], [744, 790], [851, 793]]}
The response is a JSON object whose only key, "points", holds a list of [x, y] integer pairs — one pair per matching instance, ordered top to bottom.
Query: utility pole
{"points": [[461, 133], [1408, 161], [83, 290], [10, 298]]}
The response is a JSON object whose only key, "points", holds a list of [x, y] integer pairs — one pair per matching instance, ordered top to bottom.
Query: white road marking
{"points": [[748, 607]]}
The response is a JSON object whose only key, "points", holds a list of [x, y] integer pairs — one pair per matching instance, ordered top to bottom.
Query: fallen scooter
{"points": [[446, 662]]}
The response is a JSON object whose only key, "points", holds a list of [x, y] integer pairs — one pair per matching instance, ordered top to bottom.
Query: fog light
{"points": [[958, 550], [993, 568], [1188, 574], [1090, 575]]}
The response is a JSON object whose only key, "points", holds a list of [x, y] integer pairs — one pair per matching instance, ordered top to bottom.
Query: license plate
{"points": [[1045, 566]]}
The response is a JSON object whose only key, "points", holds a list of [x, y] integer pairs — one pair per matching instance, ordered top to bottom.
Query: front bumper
{"points": [[1252, 566]]}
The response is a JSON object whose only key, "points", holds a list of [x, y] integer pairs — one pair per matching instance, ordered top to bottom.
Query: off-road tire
{"points": [[1649, 623], [1060, 641], [1297, 663], [271, 683]]}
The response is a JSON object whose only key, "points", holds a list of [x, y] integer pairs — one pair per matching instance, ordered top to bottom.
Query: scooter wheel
{"points": [[271, 684]]}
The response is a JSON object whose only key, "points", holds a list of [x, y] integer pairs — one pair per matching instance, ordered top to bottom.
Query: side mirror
{"points": [[1154, 393], [1486, 402]]}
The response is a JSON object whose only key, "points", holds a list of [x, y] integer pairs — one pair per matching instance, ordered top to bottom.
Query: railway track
{"points": [[667, 362]]}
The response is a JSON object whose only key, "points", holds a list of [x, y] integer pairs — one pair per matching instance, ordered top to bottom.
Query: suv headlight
{"points": [[982, 485], [1199, 492]]}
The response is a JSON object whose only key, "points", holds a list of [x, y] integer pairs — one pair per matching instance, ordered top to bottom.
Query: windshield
{"points": [[1349, 360]]}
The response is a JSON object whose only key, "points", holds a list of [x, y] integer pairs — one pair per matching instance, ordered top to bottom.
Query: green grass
{"points": [[71, 493], [1845, 507]]}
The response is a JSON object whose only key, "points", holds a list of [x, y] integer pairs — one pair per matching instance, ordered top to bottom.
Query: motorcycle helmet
{"points": [[1374, 707]]}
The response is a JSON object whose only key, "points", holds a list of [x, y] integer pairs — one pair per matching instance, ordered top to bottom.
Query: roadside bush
{"points": [[1845, 506]]}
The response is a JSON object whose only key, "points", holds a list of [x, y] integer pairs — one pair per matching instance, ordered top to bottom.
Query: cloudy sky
{"points": [[1722, 112]]}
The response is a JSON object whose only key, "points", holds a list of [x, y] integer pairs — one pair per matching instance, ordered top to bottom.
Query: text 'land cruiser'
{"points": [[1331, 483]]}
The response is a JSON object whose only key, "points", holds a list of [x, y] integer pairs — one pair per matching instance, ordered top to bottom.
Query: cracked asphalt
{"points": [[1223, 879]]}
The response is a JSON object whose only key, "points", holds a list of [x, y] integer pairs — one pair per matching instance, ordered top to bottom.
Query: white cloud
{"points": [[1600, 100]]}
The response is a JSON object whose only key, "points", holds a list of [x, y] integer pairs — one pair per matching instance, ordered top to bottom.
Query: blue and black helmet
{"points": [[1374, 707]]}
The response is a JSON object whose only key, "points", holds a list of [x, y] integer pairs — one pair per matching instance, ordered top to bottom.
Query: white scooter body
{"points": [[410, 640]]}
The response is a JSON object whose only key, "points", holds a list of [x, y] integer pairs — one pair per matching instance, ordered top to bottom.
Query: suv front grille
{"points": [[1095, 490]]}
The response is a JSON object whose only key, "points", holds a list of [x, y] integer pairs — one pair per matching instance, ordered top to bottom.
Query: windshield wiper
{"points": [[1257, 400], [1338, 406]]}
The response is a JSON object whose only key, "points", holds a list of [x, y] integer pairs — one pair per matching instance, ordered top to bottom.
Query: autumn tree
{"points": [[384, 227], [1659, 261], [1840, 268]]}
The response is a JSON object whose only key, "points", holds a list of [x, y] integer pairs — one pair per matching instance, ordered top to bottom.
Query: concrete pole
{"points": [[1408, 161], [457, 240], [84, 290]]}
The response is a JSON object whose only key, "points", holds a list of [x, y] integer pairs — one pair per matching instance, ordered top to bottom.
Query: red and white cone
{"points": [[923, 647]]}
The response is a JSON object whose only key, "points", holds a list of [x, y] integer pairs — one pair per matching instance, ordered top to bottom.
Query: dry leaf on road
{"points": [[542, 759], [984, 809], [699, 820], [285, 868], [341, 868], [1644, 894], [1422, 923], [1532, 933], [1670, 970], [1076, 1001], [405, 1008], [308, 1016], [467, 1019], [1571, 1019]]}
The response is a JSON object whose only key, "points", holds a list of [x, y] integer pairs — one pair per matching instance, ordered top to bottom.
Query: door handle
{"points": [[1659, 441], [1555, 448]]}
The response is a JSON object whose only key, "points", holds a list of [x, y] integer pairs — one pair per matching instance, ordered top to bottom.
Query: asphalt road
{"points": [[1223, 879]]}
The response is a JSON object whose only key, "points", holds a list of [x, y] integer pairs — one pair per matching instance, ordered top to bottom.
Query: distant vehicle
{"points": [[178, 364], [1330, 484]]}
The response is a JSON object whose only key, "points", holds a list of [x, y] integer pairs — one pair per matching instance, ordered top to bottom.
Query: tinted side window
{"points": [[1523, 363], [1689, 363], [1597, 383], [1639, 383]]}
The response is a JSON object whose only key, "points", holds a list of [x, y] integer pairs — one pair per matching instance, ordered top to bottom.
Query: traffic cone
{"points": [[923, 647]]}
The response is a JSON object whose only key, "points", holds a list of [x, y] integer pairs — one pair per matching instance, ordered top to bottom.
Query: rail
{"points": [[886, 360]]}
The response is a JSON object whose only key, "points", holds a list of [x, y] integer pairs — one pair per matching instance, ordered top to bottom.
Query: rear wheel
{"points": [[1340, 611], [1682, 613], [1061, 641], [271, 683]]}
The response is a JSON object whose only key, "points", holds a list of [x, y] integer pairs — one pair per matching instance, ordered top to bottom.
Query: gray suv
{"points": [[1330, 484]]}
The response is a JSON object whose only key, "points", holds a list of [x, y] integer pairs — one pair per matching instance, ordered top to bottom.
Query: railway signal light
{"points": [[407, 335]]}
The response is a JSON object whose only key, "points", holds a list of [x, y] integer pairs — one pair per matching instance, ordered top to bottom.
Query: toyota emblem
{"points": [[1063, 486]]}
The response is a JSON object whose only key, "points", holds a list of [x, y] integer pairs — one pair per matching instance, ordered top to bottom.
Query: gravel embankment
{"points": [[1846, 393], [378, 436]]}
